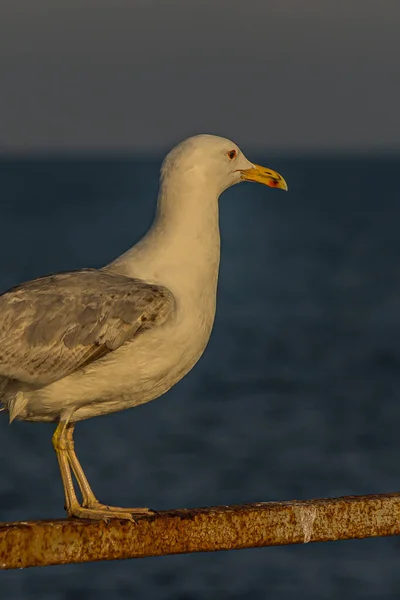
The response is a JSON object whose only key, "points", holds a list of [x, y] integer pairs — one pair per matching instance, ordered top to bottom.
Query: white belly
{"points": [[138, 372]]}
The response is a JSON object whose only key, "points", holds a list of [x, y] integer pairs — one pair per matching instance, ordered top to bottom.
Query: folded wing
{"points": [[55, 325]]}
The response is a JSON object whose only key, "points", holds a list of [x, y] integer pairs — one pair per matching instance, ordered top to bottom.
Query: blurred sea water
{"points": [[295, 397]]}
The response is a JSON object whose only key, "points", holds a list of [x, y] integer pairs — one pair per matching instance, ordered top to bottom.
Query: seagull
{"points": [[85, 343]]}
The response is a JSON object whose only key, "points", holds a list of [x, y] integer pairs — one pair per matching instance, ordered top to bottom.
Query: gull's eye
{"points": [[232, 154]]}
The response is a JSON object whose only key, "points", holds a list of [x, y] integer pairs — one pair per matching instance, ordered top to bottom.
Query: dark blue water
{"points": [[297, 395]]}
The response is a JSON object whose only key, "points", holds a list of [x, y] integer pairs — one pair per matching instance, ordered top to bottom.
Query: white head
{"points": [[216, 162]]}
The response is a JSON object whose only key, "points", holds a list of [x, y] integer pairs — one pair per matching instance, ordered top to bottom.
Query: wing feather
{"points": [[55, 325]]}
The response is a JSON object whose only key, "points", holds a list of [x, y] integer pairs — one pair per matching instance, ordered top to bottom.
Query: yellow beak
{"points": [[265, 176]]}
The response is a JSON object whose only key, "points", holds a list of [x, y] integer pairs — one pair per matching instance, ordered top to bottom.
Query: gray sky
{"points": [[142, 74]]}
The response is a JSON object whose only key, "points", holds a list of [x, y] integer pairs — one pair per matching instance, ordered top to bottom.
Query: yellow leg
{"points": [[60, 447], [88, 497], [91, 508]]}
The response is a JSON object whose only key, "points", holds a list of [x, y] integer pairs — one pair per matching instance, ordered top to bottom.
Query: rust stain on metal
{"points": [[38, 543]]}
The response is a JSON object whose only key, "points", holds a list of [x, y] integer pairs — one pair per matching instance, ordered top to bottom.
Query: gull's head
{"points": [[217, 163]]}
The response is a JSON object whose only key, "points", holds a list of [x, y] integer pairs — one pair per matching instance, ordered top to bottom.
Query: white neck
{"points": [[181, 249]]}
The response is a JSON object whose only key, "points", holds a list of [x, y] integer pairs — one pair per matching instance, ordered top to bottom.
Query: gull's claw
{"points": [[102, 512]]}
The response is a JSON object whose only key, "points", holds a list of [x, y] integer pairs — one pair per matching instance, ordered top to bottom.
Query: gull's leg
{"points": [[60, 447], [88, 497], [89, 500], [72, 506]]}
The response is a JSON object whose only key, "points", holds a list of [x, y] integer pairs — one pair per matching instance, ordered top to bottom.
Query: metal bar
{"points": [[39, 543]]}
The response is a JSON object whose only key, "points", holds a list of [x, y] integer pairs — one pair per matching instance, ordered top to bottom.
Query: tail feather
{"points": [[17, 405]]}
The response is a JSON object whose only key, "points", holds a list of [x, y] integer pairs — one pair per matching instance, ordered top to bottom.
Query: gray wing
{"points": [[55, 325]]}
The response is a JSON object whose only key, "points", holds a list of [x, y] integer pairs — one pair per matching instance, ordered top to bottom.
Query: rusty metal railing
{"points": [[39, 543]]}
